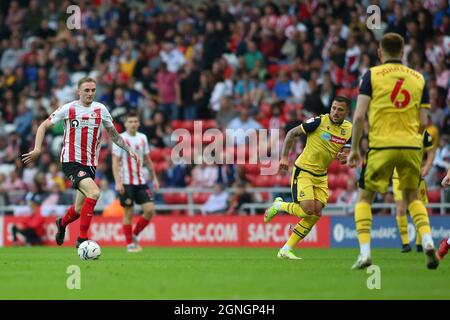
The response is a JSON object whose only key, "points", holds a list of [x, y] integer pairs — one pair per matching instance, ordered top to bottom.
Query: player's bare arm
{"points": [[362, 105], [423, 117], [118, 140], [289, 141], [29, 157], [116, 162], [429, 162], [149, 165]]}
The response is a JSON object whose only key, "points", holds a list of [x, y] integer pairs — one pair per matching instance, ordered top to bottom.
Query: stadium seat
{"points": [[265, 109], [157, 155], [334, 167], [251, 169], [332, 181], [342, 181], [434, 196], [175, 198], [200, 198]]}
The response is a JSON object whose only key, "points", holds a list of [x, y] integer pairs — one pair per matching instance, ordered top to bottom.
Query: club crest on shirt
{"points": [[94, 115], [81, 174]]}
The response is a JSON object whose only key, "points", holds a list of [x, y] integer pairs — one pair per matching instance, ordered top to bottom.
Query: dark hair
{"points": [[392, 44], [343, 99], [132, 114]]}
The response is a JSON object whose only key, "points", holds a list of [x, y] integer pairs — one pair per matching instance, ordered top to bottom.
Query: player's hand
{"points": [[342, 156], [30, 157], [354, 157], [284, 164], [425, 171], [446, 180], [155, 185], [119, 188]]}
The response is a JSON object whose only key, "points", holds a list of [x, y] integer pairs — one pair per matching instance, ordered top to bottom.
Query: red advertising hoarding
{"points": [[223, 231]]}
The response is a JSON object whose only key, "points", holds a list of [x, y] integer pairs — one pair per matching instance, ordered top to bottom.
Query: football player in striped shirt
{"points": [[83, 120], [130, 180]]}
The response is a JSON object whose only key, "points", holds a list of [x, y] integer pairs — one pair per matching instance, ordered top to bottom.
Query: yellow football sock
{"points": [[294, 209], [419, 216], [363, 221], [402, 223], [301, 230], [418, 238]]}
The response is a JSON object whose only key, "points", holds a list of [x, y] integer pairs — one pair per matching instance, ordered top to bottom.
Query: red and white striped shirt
{"points": [[81, 131], [130, 171]]}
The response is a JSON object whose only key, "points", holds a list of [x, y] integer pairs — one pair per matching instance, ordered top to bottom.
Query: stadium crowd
{"points": [[230, 64]]}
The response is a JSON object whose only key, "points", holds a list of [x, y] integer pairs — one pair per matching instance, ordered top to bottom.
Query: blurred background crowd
{"points": [[230, 64]]}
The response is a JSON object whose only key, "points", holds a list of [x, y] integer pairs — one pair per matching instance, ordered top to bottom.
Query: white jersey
{"points": [[81, 131], [130, 171]]}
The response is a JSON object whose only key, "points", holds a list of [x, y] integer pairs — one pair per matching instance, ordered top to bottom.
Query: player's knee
{"points": [[94, 194], [309, 208]]}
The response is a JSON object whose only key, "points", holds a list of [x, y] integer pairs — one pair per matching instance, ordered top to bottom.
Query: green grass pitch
{"points": [[217, 273]]}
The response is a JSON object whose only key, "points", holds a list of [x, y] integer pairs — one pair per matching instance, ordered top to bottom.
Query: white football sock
{"points": [[427, 241], [365, 249]]}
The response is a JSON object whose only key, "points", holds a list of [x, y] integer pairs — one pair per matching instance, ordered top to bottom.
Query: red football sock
{"points": [[87, 211], [70, 216], [140, 225], [127, 232]]}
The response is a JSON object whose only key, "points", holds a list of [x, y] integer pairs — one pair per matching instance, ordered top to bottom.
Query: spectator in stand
{"points": [[252, 55], [172, 57], [189, 85], [282, 88], [299, 88], [169, 93], [203, 95], [226, 113], [243, 122], [157, 131], [204, 175], [175, 176], [107, 195], [349, 196], [240, 197], [217, 202], [32, 229]]}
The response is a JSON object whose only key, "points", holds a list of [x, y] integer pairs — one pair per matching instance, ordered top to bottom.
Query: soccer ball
{"points": [[89, 250]]}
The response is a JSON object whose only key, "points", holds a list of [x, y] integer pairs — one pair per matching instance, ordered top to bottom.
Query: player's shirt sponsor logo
{"points": [[74, 123], [329, 137]]}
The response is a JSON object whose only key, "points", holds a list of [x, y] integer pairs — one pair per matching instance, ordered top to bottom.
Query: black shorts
{"points": [[76, 172], [135, 193]]}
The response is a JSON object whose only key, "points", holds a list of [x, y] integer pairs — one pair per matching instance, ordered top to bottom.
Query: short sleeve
{"points": [[366, 86], [425, 102], [59, 114], [107, 120], [311, 124], [427, 140], [146, 148], [116, 150]]}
